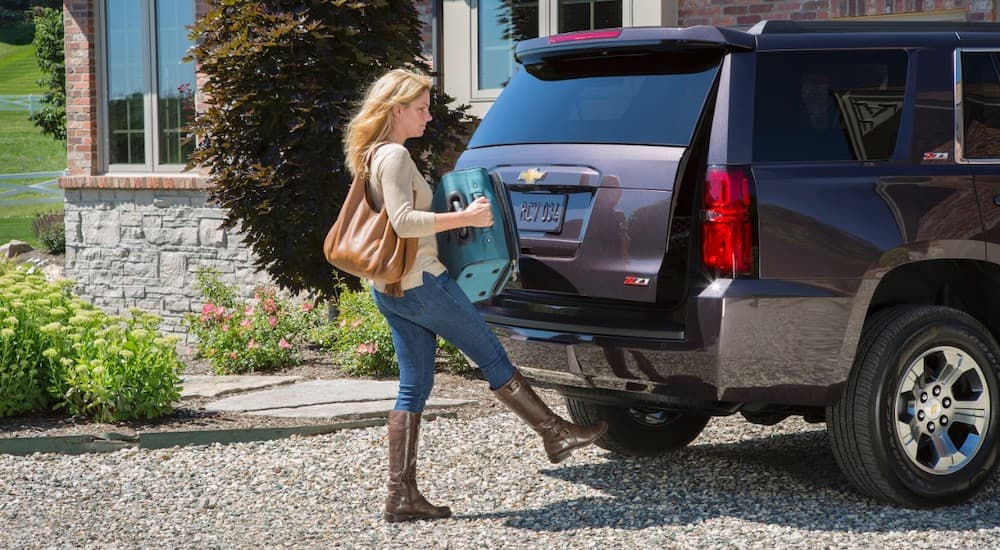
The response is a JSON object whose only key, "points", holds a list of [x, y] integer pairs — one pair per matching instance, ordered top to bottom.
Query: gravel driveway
{"points": [[739, 485]]}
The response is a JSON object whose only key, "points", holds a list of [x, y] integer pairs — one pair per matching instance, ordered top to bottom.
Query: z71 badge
{"points": [[936, 155], [636, 281]]}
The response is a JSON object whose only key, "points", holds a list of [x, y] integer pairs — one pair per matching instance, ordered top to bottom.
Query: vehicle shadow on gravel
{"points": [[785, 480]]}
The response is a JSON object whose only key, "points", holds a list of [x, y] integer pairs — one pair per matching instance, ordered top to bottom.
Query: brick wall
{"points": [[734, 12], [81, 87]]}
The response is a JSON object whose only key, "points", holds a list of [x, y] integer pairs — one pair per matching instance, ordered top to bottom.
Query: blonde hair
{"points": [[373, 121]]}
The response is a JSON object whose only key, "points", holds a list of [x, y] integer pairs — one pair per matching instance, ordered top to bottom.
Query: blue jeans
{"points": [[438, 308]]}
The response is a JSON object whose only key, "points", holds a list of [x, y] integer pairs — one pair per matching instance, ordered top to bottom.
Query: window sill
{"points": [[138, 181]]}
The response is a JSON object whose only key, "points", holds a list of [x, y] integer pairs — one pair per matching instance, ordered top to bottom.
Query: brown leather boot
{"points": [[559, 436], [405, 502]]}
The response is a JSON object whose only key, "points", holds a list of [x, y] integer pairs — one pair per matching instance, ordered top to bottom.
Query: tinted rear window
{"points": [[640, 98], [981, 104], [828, 106]]}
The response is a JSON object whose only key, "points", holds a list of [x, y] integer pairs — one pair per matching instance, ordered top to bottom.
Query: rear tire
{"points": [[917, 422], [638, 432]]}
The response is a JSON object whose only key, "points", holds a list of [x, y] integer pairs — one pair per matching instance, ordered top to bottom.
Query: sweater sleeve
{"points": [[395, 171]]}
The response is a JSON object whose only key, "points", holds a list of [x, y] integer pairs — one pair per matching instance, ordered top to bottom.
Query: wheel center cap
{"points": [[933, 409]]}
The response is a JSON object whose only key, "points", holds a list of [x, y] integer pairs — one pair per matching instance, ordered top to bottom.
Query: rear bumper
{"points": [[743, 341]]}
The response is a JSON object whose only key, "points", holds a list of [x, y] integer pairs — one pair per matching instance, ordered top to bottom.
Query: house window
{"points": [[582, 15], [500, 24], [149, 89]]}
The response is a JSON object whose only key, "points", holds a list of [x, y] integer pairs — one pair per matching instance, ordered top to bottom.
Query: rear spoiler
{"points": [[637, 38]]}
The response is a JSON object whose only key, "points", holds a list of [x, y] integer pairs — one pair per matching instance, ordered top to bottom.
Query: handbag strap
{"points": [[369, 157]]}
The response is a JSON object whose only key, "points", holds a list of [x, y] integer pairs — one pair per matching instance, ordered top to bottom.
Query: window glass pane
{"points": [[583, 15], [608, 15], [574, 16], [502, 23], [176, 79], [652, 99], [981, 104], [827, 106], [126, 119]]}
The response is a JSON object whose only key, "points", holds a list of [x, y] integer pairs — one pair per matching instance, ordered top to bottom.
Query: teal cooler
{"points": [[480, 259]]}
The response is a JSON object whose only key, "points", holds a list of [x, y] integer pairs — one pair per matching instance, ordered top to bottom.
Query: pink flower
{"points": [[270, 306], [306, 306], [207, 309], [248, 310], [273, 321], [245, 323], [355, 323], [225, 328], [252, 344], [283, 344], [367, 349], [188, 350], [232, 355]]}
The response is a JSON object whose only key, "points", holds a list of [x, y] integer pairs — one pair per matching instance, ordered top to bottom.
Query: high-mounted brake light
{"points": [[584, 35], [727, 231]]}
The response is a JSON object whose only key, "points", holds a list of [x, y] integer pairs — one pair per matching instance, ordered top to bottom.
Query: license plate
{"points": [[539, 212]]}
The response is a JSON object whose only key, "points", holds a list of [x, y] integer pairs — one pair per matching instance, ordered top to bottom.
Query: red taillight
{"points": [[584, 35], [727, 232]]}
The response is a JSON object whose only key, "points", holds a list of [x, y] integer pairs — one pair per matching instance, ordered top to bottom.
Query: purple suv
{"points": [[798, 219]]}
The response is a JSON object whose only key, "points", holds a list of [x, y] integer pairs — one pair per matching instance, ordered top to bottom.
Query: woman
{"points": [[395, 109]]}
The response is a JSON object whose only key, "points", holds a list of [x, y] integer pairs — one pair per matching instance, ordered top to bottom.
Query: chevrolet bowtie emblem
{"points": [[531, 176]]}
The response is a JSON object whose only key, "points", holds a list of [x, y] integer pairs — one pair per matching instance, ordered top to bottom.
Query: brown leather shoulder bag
{"points": [[363, 243]]}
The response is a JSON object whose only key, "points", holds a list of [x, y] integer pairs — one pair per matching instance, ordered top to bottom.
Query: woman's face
{"points": [[410, 120]]}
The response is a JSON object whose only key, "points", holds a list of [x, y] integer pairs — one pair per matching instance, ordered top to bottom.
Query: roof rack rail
{"points": [[793, 27]]}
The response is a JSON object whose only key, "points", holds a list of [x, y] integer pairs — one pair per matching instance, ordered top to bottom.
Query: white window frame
{"points": [[548, 23], [151, 124], [960, 157]]}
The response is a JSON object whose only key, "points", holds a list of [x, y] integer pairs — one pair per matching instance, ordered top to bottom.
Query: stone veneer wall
{"points": [[139, 242]]}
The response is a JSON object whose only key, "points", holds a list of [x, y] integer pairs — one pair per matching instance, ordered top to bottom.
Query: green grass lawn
{"points": [[17, 60], [23, 147], [15, 222]]}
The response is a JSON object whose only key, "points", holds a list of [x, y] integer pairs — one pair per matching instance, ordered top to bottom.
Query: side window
{"points": [[981, 105], [828, 106]]}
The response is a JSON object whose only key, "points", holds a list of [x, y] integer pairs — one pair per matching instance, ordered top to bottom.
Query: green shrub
{"points": [[49, 52], [283, 79], [50, 230], [237, 337], [363, 343], [58, 351], [120, 369]]}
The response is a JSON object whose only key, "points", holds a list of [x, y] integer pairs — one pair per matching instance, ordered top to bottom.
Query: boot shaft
{"points": [[404, 501]]}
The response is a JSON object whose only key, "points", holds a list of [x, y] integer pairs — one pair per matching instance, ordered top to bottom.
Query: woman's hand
{"points": [[478, 213]]}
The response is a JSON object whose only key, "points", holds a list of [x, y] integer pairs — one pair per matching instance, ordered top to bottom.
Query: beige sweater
{"points": [[394, 179]]}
